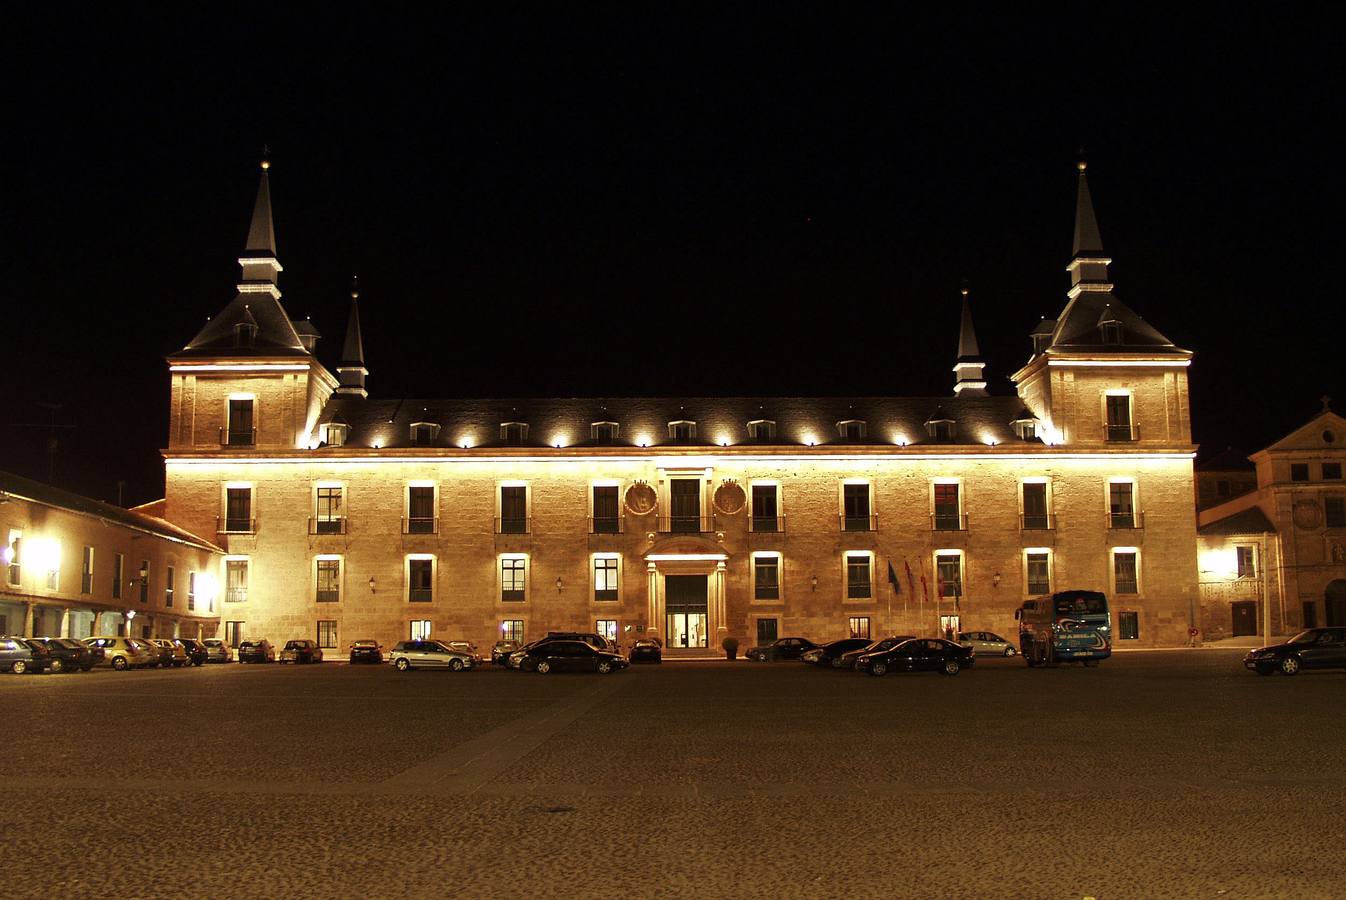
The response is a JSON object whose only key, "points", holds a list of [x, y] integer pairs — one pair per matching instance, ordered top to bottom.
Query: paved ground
{"points": [[1156, 774]]}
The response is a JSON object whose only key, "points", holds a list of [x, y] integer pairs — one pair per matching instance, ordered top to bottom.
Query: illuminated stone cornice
{"points": [[261, 261], [1088, 261], [259, 287], [1095, 287], [240, 367]]}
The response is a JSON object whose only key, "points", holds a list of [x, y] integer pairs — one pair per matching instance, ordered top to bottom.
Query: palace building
{"points": [[345, 515]]}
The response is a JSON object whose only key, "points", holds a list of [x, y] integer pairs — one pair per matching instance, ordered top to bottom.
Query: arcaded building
{"points": [[347, 515]]}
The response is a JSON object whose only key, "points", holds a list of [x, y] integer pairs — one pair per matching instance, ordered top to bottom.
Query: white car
{"points": [[986, 643]]}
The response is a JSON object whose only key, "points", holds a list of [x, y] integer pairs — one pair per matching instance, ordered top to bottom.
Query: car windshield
{"points": [[1081, 602], [1306, 637]]}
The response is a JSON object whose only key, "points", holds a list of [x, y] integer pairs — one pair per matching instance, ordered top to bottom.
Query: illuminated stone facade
{"points": [[346, 516]]}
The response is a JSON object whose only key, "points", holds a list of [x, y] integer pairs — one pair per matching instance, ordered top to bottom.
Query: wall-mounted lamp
{"points": [[995, 580], [815, 582], [372, 584], [560, 586]]}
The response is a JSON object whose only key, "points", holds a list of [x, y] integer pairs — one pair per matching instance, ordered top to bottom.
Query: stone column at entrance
{"points": [[717, 601], [28, 618], [656, 621], [64, 630]]}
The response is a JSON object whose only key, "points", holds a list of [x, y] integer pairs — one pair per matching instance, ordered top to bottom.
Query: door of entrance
{"points": [[685, 604], [1245, 617], [949, 625]]}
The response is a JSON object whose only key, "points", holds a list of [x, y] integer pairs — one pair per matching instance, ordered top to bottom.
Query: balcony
{"points": [[1121, 433], [238, 437], [1130, 520], [948, 521], [1037, 521], [869, 522], [420, 524], [607, 524], [766, 524], [235, 525], [327, 525], [513, 525], [685, 525]]}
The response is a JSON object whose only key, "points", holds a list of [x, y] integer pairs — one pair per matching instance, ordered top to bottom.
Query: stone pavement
{"points": [[1156, 774]]}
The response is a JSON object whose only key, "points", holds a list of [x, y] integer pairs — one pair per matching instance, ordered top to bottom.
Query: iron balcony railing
{"points": [[1121, 433], [238, 437], [1132, 519], [950, 521], [1037, 521], [858, 522], [420, 524], [607, 524], [685, 524], [766, 524], [235, 525], [327, 525], [513, 525]]}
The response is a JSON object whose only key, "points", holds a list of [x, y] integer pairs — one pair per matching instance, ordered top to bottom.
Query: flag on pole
{"points": [[892, 579], [911, 579]]}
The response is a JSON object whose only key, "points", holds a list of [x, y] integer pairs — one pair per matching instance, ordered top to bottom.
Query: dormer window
{"points": [[1112, 332], [245, 334], [1026, 429], [762, 430], [851, 430], [942, 430], [682, 431], [605, 432], [424, 433], [514, 433], [334, 434]]}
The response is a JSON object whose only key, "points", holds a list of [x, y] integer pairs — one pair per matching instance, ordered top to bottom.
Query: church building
{"points": [[345, 515]]}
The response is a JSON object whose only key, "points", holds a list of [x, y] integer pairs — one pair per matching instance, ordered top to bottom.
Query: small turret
{"points": [[351, 371], [969, 379]]}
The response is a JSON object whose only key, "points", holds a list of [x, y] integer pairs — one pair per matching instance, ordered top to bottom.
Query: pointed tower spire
{"points": [[259, 262], [1088, 264], [351, 371], [969, 380]]}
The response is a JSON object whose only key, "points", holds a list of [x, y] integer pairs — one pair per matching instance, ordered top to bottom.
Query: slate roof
{"points": [[1077, 327], [275, 333], [799, 420], [1227, 460], [28, 489], [1250, 521]]}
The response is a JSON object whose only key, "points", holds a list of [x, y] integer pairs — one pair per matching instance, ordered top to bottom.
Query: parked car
{"points": [[987, 643], [469, 648], [785, 648], [1316, 648], [647, 650], [196, 651], [217, 651], [501, 651], [256, 652], [300, 652], [366, 652], [123, 653], [176, 654], [17, 655], [67, 655], [409, 655], [918, 655], [158, 656], [572, 656], [828, 656], [519, 659], [848, 659]]}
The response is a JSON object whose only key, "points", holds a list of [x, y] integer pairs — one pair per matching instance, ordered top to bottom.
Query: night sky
{"points": [[701, 203]]}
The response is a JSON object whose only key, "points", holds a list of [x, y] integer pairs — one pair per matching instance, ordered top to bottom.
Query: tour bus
{"points": [[1069, 626]]}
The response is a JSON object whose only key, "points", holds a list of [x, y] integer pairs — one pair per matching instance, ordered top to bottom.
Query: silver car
{"points": [[986, 643], [217, 651], [409, 655]]}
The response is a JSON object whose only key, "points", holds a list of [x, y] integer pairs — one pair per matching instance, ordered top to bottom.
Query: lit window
{"points": [[1025, 429], [762, 430], [334, 434], [1121, 504], [947, 511], [328, 518], [15, 552], [1245, 562], [1039, 572], [1124, 572], [949, 574], [170, 576], [766, 576], [859, 577], [144, 578], [513, 578], [605, 578], [328, 579], [420, 580], [235, 581], [191, 592], [859, 626], [1128, 626], [607, 628], [420, 629], [512, 630], [233, 633], [327, 633]]}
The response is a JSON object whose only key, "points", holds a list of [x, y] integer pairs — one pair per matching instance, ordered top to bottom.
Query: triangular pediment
{"points": [[1312, 435]]}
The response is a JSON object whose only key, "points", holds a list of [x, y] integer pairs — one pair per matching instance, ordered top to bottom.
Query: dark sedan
{"points": [[785, 648], [1317, 648], [196, 650], [647, 650], [501, 651], [256, 652], [366, 652], [19, 655], [68, 655], [918, 655], [571, 656], [828, 656], [848, 659]]}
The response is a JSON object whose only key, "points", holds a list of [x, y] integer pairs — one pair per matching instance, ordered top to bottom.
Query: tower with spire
{"points": [[351, 371], [969, 380]]}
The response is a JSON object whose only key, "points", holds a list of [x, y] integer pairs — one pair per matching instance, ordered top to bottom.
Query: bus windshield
{"points": [[1084, 602]]}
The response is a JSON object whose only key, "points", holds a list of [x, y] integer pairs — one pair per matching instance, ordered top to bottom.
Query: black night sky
{"points": [[687, 202]]}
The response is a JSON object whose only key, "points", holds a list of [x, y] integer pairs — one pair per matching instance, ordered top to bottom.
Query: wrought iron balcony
{"points": [[1121, 433], [238, 437], [1129, 520], [1037, 521], [869, 522], [948, 522], [420, 524], [607, 524], [767, 524], [235, 525], [327, 525], [513, 525]]}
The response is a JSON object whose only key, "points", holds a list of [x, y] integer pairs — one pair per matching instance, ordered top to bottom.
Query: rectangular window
{"points": [[1119, 417], [852, 430], [241, 431], [763, 431], [684, 432], [514, 433], [605, 433], [1299, 471], [1331, 471], [684, 496], [1035, 505], [1121, 505], [855, 507], [420, 509], [514, 509], [238, 510], [765, 510], [947, 512], [1334, 512], [327, 516], [607, 517], [15, 553], [1247, 567], [118, 568], [86, 572], [1124, 572], [1039, 573], [949, 574], [170, 577], [766, 577], [144, 578], [513, 578], [605, 578], [328, 580], [420, 580], [235, 581], [859, 581], [191, 590], [859, 626], [1128, 626], [607, 628], [420, 629], [512, 630], [766, 631], [327, 633], [233, 634]]}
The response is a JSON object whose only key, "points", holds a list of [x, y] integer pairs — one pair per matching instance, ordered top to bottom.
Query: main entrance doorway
{"points": [[685, 610], [1245, 618]]}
